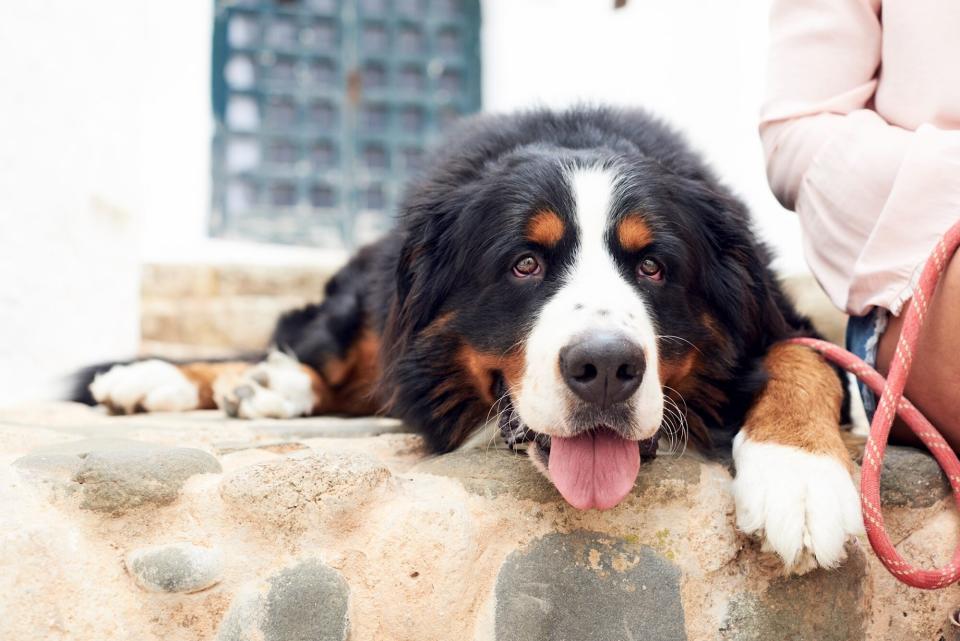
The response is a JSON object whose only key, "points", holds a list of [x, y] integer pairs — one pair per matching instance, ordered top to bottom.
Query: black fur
{"points": [[460, 226], [439, 281]]}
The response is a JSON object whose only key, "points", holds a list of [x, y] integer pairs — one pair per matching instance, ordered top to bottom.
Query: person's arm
{"points": [[873, 198]]}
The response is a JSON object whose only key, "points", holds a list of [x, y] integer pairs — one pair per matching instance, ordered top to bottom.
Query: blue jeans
{"points": [[863, 336]]}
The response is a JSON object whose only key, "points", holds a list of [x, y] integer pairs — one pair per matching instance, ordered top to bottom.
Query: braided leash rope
{"points": [[891, 404]]}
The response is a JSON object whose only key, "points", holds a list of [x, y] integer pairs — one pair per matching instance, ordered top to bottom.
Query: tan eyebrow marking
{"points": [[545, 228], [633, 233]]}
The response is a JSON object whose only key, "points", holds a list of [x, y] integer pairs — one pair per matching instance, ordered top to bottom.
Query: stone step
{"points": [[231, 306], [197, 527]]}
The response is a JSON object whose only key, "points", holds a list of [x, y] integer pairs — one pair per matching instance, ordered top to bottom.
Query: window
{"points": [[324, 107]]}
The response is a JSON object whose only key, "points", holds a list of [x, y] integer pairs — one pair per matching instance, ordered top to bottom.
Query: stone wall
{"points": [[217, 309], [193, 527]]}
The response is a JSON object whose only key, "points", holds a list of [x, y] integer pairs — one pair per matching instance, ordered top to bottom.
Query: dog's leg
{"points": [[326, 358], [158, 386], [278, 387], [283, 387], [793, 482]]}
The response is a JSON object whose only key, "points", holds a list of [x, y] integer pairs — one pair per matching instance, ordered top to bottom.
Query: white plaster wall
{"points": [[104, 123], [105, 130]]}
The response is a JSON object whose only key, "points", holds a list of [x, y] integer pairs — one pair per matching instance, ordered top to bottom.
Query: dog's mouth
{"points": [[595, 469]]}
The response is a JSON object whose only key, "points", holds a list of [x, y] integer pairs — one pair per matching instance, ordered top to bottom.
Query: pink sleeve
{"points": [[872, 198]]}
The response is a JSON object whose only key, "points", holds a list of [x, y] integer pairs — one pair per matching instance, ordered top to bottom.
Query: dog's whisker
{"points": [[680, 339], [678, 431]]}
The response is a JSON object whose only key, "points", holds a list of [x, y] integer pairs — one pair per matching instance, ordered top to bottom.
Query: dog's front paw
{"points": [[146, 386], [275, 388], [805, 506]]}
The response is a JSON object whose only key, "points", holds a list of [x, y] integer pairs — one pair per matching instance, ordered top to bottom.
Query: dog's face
{"points": [[565, 293]]}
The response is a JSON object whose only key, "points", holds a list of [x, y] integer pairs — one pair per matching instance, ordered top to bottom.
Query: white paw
{"points": [[151, 386], [275, 388], [804, 505]]}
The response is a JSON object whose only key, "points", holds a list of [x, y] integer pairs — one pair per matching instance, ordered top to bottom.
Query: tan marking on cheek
{"points": [[546, 228], [633, 233], [480, 367], [672, 372], [203, 376], [679, 378], [800, 404]]}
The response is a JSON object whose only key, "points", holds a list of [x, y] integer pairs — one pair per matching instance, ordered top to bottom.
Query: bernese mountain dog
{"points": [[585, 282]]}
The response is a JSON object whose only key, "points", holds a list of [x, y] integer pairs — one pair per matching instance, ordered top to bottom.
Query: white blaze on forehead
{"points": [[593, 296]]}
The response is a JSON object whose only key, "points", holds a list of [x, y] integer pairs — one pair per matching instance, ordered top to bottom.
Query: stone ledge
{"points": [[230, 306], [333, 529]]}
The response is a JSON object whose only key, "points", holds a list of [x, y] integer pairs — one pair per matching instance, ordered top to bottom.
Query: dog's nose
{"points": [[603, 368]]}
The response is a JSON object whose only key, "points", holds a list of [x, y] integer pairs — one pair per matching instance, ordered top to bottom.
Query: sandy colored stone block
{"points": [[238, 322], [293, 494], [333, 529]]}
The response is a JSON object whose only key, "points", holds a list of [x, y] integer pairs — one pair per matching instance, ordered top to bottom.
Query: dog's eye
{"points": [[527, 266], [650, 269]]}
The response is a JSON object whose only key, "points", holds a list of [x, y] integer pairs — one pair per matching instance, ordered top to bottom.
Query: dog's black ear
{"points": [[422, 279], [736, 279], [419, 285], [417, 363]]}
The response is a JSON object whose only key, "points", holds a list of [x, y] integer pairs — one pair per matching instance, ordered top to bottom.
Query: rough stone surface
{"points": [[329, 427], [279, 447], [61, 462], [492, 472], [115, 475], [911, 478], [114, 481], [294, 493], [468, 546], [175, 567], [587, 585], [305, 602], [823, 605]]}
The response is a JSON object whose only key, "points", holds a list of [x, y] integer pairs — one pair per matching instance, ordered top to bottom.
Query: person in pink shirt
{"points": [[861, 131]]}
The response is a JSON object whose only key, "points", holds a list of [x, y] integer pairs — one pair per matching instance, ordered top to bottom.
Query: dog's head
{"points": [[580, 295]]}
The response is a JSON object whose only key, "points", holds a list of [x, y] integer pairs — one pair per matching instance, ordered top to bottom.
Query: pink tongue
{"points": [[595, 469]]}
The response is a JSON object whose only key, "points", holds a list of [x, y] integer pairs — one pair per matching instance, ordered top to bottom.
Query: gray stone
{"points": [[57, 468], [493, 472], [114, 474], [911, 478], [116, 480], [175, 567], [587, 586], [305, 602], [822, 605]]}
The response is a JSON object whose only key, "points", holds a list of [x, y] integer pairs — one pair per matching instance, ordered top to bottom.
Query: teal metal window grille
{"points": [[324, 107]]}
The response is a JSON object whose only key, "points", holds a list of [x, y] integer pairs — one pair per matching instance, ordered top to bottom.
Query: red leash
{"points": [[892, 403]]}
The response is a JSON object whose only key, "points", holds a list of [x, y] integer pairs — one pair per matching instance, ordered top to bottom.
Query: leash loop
{"points": [[892, 403]]}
